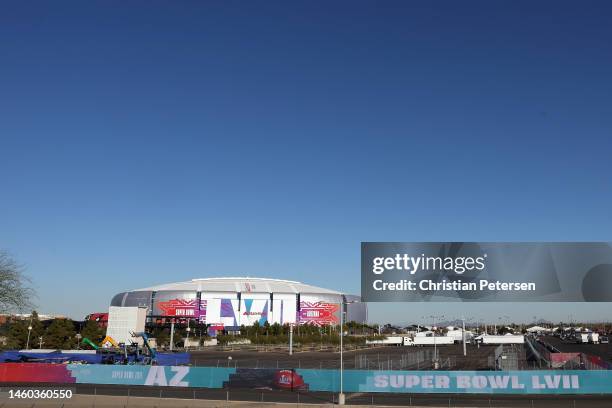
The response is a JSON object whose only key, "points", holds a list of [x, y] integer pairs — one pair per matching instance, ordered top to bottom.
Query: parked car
{"points": [[604, 340]]}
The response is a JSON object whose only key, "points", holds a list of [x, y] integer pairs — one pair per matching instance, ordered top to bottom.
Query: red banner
{"points": [[183, 308], [318, 313], [35, 372]]}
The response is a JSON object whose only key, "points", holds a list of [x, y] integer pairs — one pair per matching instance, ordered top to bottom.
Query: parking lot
{"points": [[601, 350], [384, 357]]}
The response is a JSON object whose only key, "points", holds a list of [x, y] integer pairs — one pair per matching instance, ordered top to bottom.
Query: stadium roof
{"points": [[238, 284]]}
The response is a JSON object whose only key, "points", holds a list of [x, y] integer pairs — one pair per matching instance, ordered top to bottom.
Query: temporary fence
{"points": [[509, 357], [417, 359]]}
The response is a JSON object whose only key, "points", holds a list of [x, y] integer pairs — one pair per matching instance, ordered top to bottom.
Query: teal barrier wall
{"points": [[178, 376], [469, 382], [486, 382]]}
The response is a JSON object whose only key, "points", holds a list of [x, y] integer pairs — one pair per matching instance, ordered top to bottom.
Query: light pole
{"points": [[433, 329], [29, 332], [171, 334], [463, 335], [187, 337], [290, 339], [341, 395]]}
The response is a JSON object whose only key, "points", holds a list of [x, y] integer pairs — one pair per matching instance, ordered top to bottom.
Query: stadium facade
{"points": [[228, 303]]}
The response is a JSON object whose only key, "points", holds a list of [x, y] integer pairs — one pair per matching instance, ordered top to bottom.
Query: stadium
{"points": [[228, 303]]}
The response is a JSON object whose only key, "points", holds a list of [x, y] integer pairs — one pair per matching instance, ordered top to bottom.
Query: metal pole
{"points": [[29, 332], [172, 335], [463, 335], [187, 337], [290, 339], [28, 342], [435, 345], [341, 395]]}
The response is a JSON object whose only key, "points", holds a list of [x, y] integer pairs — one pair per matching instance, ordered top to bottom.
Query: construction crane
{"points": [[152, 351]]}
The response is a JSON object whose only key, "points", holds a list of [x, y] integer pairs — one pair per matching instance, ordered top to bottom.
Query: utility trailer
{"points": [[506, 339], [389, 340], [431, 340]]}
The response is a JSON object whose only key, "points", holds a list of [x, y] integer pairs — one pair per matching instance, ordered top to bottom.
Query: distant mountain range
{"points": [[457, 323]]}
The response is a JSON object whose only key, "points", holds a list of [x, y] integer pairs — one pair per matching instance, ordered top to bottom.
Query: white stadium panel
{"points": [[219, 295], [262, 296], [254, 307], [220, 308], [284, 308], [213, 311], [122, 321]]}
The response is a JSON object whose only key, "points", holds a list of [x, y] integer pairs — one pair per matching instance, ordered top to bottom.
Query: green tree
{"points": [[15, 293], [276, 329], [38, 330], [93, 331], [60, 334], [162, 336], [17, 337]]}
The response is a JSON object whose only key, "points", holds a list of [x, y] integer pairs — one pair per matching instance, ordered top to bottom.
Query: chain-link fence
{"points": [[510, 357], [381, 358], [412, 360]]}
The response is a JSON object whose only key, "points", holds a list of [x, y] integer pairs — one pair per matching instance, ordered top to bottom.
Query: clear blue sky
{"points": [[151, 142]]}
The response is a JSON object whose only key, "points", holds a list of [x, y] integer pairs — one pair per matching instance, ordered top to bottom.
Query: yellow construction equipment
{"points": [[109, 342]]}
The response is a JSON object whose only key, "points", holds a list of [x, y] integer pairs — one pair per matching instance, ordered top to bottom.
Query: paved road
{"points": [[111, 395], [141, 402]]}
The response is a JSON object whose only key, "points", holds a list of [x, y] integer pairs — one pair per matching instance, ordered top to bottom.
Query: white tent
{"points": [[538, 329]]}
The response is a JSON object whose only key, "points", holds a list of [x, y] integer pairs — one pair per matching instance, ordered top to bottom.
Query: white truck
{"points": [[457, 335], [581, 337], [594, 338], [505, 339], [389, 340], [430, 341]]}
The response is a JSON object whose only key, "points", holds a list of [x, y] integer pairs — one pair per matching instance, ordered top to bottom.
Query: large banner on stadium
{"points": [[179, 304], [256, 308], [319, 313]]}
